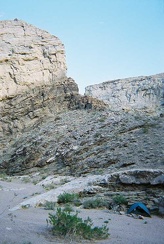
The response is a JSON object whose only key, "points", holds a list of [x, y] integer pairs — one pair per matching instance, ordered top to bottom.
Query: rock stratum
{"points": [[29, 58], [33, 81], [141, 93], [115, 130]]}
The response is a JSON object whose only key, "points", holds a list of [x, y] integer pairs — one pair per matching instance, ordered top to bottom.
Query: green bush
{"points": [[67, 197], [120, 199], [95, 203], [68, 208], [66, 224]]}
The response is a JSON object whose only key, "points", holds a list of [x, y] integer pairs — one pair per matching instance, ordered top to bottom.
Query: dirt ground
{"points": [[29, 226]]}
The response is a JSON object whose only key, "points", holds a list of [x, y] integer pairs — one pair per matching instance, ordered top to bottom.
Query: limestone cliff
{"points": [[29, 57], [33, 81], [144, 92]]}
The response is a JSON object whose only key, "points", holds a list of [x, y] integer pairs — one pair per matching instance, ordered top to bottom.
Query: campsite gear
{"points": [[139, 206]]}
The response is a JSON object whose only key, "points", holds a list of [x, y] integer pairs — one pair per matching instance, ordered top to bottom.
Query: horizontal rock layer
{"points": [[29, 57]]}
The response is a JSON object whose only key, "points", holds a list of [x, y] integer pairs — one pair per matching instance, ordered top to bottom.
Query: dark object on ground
{"points": [[140, 207]]}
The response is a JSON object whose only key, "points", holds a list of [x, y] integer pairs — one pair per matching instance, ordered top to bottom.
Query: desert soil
{"points": [[29, 226]]}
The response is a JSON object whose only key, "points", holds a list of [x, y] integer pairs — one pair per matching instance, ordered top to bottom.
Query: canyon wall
{"points": [[141, 93]]}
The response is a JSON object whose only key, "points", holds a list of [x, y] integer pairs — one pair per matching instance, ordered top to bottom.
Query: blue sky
{"points": [[104, 39]]}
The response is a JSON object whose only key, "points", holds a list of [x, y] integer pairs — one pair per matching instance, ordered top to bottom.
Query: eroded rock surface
{"points": [[29, 57], [33, 81], [144, 92], [41, 125], [84, 141]]}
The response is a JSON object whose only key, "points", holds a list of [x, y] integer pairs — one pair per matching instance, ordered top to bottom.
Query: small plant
{"points": [[43, 176], [5, 177], [67, 197], [120, 199], [95, 203], [49, 205], [26, 206], [66, 224]]}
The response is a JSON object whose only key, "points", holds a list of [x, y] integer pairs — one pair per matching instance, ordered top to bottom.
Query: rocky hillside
{"points": [[141, 93], [45, 123], [80, 142]]}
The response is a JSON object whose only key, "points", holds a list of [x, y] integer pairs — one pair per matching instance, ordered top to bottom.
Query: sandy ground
{"points": [[29, 226]]}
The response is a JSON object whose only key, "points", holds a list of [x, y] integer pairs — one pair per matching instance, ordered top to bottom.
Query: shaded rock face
{"points": [[144, 92]]}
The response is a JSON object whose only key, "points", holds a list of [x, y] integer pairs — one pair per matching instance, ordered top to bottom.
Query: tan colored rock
{"points": [[29, 57], [33, 81]]}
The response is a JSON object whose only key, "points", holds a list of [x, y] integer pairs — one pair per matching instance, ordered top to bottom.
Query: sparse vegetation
{"points": [[5, 177], [26, 179], [49, 187], [67, 197], [120, 199], [95, 203], [49, 205], [68, 208], [66, 224]]}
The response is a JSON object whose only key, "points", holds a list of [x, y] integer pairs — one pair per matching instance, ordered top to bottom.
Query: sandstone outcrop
{"points": [[141, 93]]}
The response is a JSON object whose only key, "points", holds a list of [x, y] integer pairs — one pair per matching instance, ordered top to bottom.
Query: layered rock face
{"points": [[29, 57], [33, 81], [144, 92], [45, 123], [87, 141]]}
